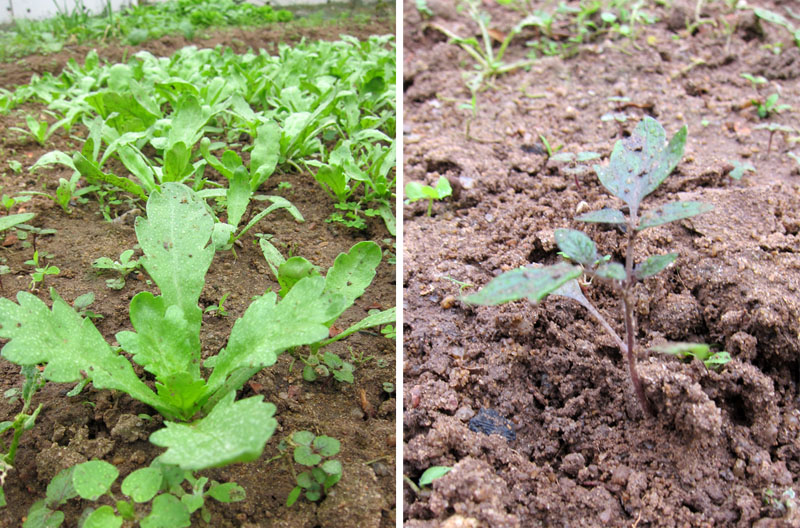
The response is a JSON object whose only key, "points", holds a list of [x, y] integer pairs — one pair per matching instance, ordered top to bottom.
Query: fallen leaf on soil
{"points": [[366, 406]]}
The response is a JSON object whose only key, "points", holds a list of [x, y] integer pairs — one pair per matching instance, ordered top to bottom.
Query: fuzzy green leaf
{"points": [[641, 162], [671, 212], [605, 216], [174, 238], [577, 246], [653, 265], [611, 270], [353, 271], [530, 283], [69, 345], [232, 432], [94, 478], [142, 484], [228, 492], [167, 512], [102, 517]]}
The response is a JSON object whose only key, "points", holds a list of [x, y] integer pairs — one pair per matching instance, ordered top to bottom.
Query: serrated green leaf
{"points": [[641, 162], [92, 173], [671, 212], [605, 216], [174, 238], [577, 246], [653, 265], [611, 270], [353, 271], [530, 283], [268, 328], [164, 342], [69, 345], [232, 432], [326, 445], [305, 456], [433, 473], [94, 478], [142, 484], [228, 492], [167, 512], [102, 517]]}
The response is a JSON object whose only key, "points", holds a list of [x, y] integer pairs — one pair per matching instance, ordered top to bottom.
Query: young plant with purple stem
{"points": [[639, 164]]}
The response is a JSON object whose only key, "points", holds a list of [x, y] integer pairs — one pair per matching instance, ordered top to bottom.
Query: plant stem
{"points": [[627, 301]]}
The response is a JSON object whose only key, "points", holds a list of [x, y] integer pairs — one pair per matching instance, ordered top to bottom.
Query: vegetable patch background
{"points": [[104, 424], [724, 447]]}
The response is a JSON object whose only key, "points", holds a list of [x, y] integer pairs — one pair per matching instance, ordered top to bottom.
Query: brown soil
{"points": [[102, 424], [723, 446]]}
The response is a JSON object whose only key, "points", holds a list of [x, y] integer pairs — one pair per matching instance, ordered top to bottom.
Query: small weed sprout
{"points": [[755, 81], [768, 106], [773, 128], [38, 130], [639, 164], [15, 166], [739, 169], [416, 191], [123, 267], [40, 271], [219, 308], [700, 351], [23, 421], [309, 450], [427, 478]]}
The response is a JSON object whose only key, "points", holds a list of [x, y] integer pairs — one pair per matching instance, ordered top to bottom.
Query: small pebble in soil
{"points": [[464, 413], [489, 421]]}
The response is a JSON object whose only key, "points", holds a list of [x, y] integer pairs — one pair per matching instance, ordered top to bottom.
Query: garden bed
{"points": [[74, 429], [723, 448]]}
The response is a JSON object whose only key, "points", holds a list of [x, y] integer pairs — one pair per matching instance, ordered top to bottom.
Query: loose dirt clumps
{"points": [[723, 448]]}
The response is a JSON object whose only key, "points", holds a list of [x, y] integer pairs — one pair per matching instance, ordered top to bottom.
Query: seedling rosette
{"points": [[638, 165]]}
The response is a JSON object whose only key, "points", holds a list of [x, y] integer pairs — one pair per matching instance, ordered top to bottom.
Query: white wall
{"points": [[39, 9]]}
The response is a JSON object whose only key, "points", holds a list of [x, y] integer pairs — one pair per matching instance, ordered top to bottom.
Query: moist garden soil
{"points": [[105, 424], [722, 448]]}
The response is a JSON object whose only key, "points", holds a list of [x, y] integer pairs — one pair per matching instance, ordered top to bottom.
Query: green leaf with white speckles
{"points": [[640, 163], [671, 212], [232, 432]]}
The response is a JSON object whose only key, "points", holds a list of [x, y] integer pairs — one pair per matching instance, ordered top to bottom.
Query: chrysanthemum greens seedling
{"points": [[639, 164], [175, 238]]}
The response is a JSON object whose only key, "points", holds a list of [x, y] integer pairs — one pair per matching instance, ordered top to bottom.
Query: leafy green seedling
{"points": [[755, 81], [769, 106], [773, 128], [38, 130], [574, 161], [639, 164], [15, 166], [739, 169], [284, 186], [416, 191], [10, 201], [9, 221], [175, 240], [123, 267], [40, 271], [350, 275], [461, 285], [82, 303], [219, 308], [703, 352], [328, 364], [388, 387], [23, 421], [309, 450], [427, 477], [161, 486]]}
